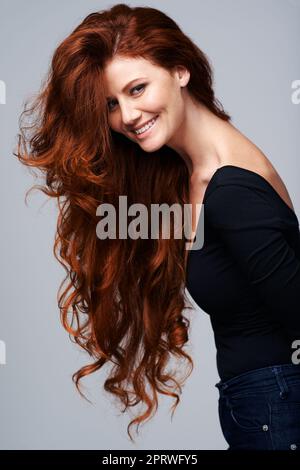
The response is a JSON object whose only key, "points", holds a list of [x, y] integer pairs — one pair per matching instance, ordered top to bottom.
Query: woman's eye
{"points": [[138, 87]]}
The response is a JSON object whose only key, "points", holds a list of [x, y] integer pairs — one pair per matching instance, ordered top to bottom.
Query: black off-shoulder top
{"points": [[246, 275]]}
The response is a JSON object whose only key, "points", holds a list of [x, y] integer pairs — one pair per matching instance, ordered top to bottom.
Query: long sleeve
{"points": [[253, 234]]}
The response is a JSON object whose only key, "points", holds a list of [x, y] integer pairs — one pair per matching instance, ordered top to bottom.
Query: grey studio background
{"points": [[254, 46]]}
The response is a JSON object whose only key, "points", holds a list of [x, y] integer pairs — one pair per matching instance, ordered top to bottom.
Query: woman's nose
{"points": [[129, 116]]}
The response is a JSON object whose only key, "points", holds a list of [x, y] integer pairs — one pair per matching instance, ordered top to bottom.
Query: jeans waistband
{"points": [[261, 377]]}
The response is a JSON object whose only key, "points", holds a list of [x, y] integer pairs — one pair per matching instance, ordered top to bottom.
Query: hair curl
{"points": [[125, 297]]}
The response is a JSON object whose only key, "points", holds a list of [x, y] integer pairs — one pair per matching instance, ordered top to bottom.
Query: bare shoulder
{"points": [[252, 158]]}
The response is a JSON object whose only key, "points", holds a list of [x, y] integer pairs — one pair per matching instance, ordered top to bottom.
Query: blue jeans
{"points": [[260, 409]]}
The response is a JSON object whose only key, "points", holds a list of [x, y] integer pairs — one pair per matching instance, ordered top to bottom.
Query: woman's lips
{"points": [[148, 130]]}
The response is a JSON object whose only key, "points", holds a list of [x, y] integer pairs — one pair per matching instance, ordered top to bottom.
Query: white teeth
{"points": [[144, 128]]}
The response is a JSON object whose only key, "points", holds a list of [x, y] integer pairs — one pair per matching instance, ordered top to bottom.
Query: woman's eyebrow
{"points": [[129, 83]]}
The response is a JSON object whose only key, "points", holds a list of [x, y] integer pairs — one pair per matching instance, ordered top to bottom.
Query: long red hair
{"points": [[124, 299]]}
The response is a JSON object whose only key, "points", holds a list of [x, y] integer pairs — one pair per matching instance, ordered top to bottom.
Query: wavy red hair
{"points": [[124, 299]]}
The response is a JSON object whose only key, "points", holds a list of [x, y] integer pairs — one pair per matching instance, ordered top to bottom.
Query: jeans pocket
{"points": [[250, 413], [285, 417]]}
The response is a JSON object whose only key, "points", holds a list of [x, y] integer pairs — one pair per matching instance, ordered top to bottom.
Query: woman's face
{"points": [[155, 98]]}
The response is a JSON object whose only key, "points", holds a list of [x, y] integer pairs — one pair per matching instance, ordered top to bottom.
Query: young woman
{"points": [[129, 109]]}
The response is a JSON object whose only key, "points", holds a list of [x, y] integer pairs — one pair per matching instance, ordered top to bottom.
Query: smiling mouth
{"points": [[148, 128]]}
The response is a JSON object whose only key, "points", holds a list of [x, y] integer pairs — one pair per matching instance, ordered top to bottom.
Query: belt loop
{"points": [[281, 381], [221, 387]]}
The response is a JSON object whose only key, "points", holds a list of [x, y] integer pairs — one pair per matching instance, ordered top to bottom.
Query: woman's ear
{"points": [[183, 75]]}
